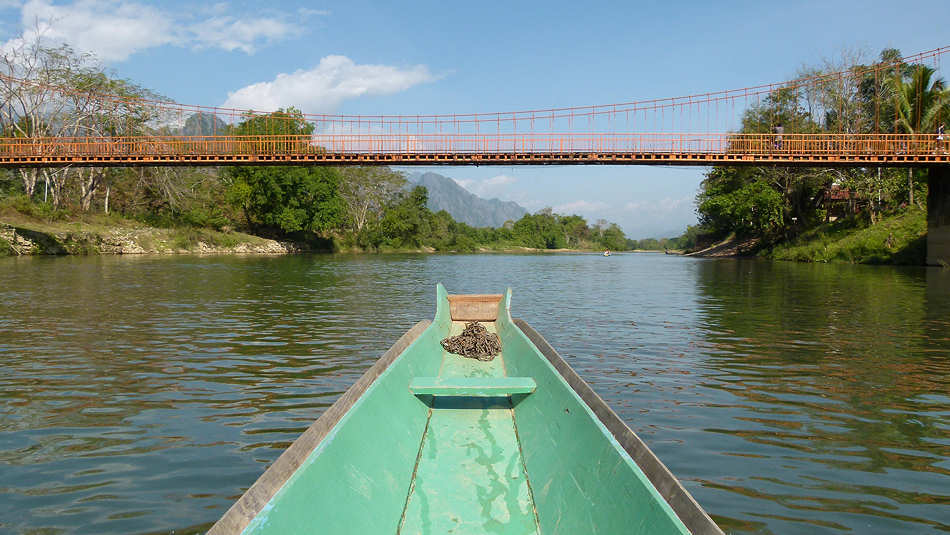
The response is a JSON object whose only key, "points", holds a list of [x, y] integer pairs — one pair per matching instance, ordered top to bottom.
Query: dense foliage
{"points": [[285, 199], [776, 204], [408, 223]]}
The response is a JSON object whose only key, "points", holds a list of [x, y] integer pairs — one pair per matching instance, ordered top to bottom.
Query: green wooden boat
{"points": [[430, 442]]}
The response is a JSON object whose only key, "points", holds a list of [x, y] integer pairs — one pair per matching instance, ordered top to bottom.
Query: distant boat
{"points": [[607, 253], [426, 441]]}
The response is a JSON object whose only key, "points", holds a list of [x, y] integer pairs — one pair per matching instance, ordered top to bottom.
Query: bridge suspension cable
{"points": [[690, 113], [109, 129]]}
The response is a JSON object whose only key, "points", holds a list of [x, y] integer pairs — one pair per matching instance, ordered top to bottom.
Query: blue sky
{"points": [[443, 57]]}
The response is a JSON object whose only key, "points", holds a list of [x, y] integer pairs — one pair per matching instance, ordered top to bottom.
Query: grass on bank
{"points": [[188, 238], [897, 239]]}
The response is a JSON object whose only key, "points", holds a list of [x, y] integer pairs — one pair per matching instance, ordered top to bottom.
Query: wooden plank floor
{"points": [[470, 476]]}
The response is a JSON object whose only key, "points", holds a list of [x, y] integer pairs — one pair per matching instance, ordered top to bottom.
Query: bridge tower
{"points": [[938, 216]]}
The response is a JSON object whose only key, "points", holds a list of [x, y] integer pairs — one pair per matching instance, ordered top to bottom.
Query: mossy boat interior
{"points": [[432, 442]]}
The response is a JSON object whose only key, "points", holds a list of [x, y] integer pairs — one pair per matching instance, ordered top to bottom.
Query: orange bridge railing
{"points": [[513, 148]]}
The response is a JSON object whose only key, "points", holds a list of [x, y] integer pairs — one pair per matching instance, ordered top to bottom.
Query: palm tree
{"points": [[920, 104]]}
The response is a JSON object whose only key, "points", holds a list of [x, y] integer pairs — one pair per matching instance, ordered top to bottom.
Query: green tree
{"points": [[921, 101], [283, 122], [286, 199], [739, 200], [407, 221], [541, 230], [576, 231], [614, 238]]}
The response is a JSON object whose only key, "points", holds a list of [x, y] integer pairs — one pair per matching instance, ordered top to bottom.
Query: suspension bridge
{"points": [[98, 129], [690, 130], [486, 149]]}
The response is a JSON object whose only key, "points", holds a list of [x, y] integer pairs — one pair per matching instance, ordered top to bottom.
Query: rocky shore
{"points": [[21, 240]]}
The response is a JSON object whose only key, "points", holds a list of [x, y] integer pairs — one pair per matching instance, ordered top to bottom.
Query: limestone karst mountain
{"points": [[464, 206]]}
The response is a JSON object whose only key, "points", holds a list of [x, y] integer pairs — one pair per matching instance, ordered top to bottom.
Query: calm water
{"points": [[143, 395]]}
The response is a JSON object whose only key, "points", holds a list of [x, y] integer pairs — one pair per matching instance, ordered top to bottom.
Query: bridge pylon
{"points": [[938, 216]]}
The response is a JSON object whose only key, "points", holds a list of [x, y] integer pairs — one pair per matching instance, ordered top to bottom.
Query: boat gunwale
{"points": [[253, 501], [693, 516]]}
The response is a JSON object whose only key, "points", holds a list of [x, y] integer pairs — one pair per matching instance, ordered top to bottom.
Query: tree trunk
{"points": [[28, 176], [56, 181], [88, 183], [910, 185], [106, 203], [877, 206], [361, 214]]}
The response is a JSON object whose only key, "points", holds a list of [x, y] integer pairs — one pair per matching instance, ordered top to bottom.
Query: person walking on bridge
{"points": [[778, 130], [940, 137]]}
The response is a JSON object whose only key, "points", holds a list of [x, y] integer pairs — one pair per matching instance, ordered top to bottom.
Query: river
{"points": [[143, 395]]}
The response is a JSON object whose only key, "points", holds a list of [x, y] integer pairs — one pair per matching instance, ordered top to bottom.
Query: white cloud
{"points": [[113, 30], [230, 33], [324, 87], [581, 207]]}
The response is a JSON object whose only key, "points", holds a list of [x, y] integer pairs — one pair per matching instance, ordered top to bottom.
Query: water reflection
{"points": [[145, 394], [838, 394]]}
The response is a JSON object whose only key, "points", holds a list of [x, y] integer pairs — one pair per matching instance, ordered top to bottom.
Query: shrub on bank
{"points": [[40, 211], [188, 238]]}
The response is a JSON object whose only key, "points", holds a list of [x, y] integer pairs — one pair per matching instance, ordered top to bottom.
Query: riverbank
{"points": [[207, 223], [21, 235], [897, 239]]}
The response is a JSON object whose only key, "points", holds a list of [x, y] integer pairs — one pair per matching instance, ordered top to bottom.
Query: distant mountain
{"points": [[203, 124], [446, 194]]}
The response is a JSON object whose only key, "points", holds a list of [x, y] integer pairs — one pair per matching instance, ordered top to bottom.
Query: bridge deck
{"points": [[495, 149], [554, 158]]}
